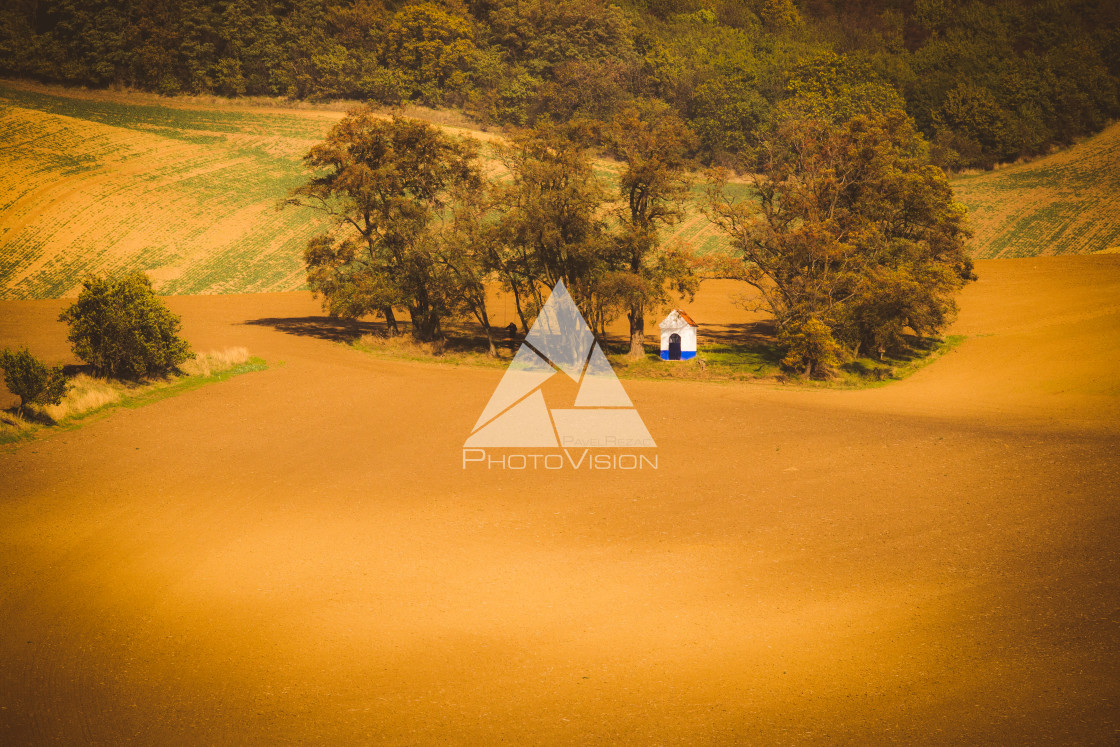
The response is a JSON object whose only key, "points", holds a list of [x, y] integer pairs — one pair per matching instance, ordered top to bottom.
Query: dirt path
{"points": [[297, 555]]}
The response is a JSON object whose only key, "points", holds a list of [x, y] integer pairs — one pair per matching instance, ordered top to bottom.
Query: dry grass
{"points": [[403, 345], [215, 361], [86, 393], [83, 394], [13, 427]]}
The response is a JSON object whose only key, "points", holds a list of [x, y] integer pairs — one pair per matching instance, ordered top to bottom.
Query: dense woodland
{"points": [[984, 82]]}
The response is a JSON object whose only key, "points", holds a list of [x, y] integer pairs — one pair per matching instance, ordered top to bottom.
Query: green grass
{"points": [[190, 194], [1064, 203], [717, 362], [867, 373], [15, 430]]}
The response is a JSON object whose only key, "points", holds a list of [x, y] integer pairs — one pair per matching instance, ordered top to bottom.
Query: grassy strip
{"points": [[456, 351], [718, 361], [761, 362], [903, 369], [14, 429]]}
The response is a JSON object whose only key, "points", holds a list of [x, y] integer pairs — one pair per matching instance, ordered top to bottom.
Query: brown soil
{"points": [[297, 555]]}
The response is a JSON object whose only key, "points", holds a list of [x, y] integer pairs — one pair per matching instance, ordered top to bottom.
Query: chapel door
{"points": [[674, 347]]}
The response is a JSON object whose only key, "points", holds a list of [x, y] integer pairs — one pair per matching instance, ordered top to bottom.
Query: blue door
{"points": [[674, 347]]}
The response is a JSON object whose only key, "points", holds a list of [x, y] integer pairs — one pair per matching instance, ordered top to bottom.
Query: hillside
{"points": [[989, 81], [94, 181], [187, 194], [1065, 203]]}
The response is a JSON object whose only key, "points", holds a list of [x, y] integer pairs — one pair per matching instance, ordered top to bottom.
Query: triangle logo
{"points": [[560, 343]]}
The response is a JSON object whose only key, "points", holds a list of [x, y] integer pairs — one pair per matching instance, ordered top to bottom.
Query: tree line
{"points": [[984, 80], [419, 224], [850, 234]]}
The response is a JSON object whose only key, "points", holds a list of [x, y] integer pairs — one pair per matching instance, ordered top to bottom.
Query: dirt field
{"points": [[297, 555]]}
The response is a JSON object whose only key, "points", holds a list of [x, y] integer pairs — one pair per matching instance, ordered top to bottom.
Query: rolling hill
{"points": [[97, 182], [186, 194], [1065, 203]]}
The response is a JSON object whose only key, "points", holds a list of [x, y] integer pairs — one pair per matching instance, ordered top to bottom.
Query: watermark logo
{"points": [[517, 416]]}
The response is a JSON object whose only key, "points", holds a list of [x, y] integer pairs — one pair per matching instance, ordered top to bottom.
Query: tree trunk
{"points": [[517, 303], [484, 320], [390, 321], [425, 325], [416, 329], [637, 332], [492, 348]]}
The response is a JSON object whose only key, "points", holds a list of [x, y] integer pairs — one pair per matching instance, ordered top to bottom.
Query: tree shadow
{"points": [[324, 327], [748, 334], [459, 337], [30, 414]]}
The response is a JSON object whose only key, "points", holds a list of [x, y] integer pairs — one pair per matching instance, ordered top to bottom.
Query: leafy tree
{"points": [[779, 15], [541, 35], [433, 46], [988, 80], [838, 87], [581, 89], [728, 113], [972, 123], [385, 182], [654, 187], [552, 224], [854, 237], [463, 247], [121, 328], [809, 344], [31, 380]]}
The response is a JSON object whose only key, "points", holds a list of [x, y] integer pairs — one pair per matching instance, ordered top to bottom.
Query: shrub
{"points": [[121, 328], [810, 348], [34, 382]]}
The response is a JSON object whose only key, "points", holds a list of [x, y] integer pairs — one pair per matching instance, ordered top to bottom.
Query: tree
{"points": [[432, 46], [836, 88], [728, 112], [973, 124], [384, 183], [654, 187], [552, 225], [854, 238], [464, 249], [121, 328], [31, 380]]}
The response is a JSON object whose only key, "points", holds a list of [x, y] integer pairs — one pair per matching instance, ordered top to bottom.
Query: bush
{"points": [[121, 328], [809, 348], [31, 380]]}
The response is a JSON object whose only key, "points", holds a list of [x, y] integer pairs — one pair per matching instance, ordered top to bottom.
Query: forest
{"points": [[985, 82]]}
